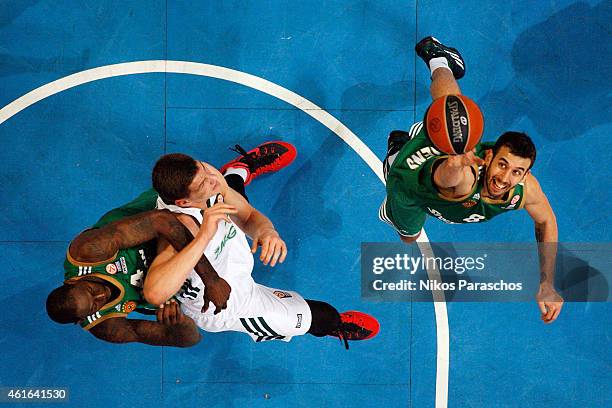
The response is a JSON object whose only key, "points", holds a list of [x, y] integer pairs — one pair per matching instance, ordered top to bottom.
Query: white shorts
{"points": [[267, 313]]}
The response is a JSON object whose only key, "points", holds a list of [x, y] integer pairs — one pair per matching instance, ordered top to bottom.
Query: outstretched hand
{"points": [[273, 248]]}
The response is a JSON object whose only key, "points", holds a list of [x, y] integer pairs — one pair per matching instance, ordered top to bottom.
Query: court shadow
{"points": [[10, 13], [14, 64], [562, 75], [380, 98], [303, 196], [578, 281]]}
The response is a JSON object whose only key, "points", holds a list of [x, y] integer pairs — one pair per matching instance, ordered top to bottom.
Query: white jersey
{"points": [[229, 253], [263, 313]]}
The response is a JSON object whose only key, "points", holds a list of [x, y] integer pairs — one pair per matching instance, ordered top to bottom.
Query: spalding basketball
{"points": [[454, 124]]}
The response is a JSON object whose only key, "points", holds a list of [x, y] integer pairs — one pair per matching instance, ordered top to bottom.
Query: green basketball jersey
{"points": [[411, 189], [125, 270]]}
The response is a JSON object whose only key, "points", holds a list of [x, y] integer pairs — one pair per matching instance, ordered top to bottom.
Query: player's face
{"points": [[505, 171], [206, 183], [90, 297]]}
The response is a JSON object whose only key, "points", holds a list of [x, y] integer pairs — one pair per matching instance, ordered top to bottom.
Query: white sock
{"points": [[439, 62], [237, 170]]}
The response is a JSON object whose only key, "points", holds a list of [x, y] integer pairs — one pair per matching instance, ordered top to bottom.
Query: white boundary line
{"points": [[270, 88]]}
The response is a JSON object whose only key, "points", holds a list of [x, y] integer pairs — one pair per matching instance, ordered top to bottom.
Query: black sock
{"points": [[237, 183], [325, 318]]}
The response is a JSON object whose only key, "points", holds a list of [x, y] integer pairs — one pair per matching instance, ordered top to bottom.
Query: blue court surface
{"points": [[86, 144]]}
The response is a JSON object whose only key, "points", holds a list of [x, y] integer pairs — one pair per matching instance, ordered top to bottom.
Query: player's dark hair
{"points": [[519, 144], [172, 175], [61, 305]]}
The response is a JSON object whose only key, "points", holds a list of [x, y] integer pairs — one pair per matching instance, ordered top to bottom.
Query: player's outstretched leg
{"points": [[437, 55], [266, 158]]}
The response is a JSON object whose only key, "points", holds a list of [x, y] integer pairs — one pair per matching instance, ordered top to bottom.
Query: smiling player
{"points": [[476, 186]]}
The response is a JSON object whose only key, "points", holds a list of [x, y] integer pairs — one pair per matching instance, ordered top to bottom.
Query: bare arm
{"points": [[454, 176], [254, 224], [259, 228], [546, 233], [96, 245], [171, 267], [181, 332]]}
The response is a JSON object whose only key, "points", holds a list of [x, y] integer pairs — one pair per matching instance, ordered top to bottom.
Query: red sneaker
{"points": [[265, 158], [356, 326]]}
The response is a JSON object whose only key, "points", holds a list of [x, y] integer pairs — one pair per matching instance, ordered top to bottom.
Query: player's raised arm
{"points": [[457, 172], [547, 236]]}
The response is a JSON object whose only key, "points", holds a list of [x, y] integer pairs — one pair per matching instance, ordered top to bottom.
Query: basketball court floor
{"points": [[333, 78]]}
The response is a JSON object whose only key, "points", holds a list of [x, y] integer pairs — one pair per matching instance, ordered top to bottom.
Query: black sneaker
{"points": [[429, 48], [397, 139], [265, 158], [356, 326]]}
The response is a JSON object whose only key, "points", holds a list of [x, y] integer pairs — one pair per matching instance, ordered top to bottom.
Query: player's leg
{"points": [[446, 66], [443, 83], [395, 142], [236, 182], [275, 314], [325, 318], [326, 321]]}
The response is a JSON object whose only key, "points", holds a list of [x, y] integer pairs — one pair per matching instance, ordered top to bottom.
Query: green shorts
{"points": [[412, 219]]}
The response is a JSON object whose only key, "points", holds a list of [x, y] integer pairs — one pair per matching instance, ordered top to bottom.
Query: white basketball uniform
{"points": [[261, 312]]}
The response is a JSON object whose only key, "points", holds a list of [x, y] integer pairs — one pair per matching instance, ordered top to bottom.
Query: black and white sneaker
{"points": [[429, 48], [397, 139]]}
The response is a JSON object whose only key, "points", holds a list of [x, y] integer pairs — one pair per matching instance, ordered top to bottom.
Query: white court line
{"points": [[270, 88]]}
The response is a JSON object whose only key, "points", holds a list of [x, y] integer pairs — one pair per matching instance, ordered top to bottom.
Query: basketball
{"points": [[454, 124]]}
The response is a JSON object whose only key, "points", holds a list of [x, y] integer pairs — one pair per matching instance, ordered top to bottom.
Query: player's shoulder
{"points": [[531, 182], [532, 190]]}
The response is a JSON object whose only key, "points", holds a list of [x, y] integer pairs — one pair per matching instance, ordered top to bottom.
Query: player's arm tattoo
{"points": [[539, 233], [102, 243], [99, 244], [547, 252], [121, 330]]}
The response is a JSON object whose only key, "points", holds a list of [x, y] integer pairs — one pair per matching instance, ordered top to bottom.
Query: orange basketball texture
{"points": [[454, 124]]}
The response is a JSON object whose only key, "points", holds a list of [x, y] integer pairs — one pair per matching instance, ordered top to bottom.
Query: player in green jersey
{"points": [[474, 187], [105, 268]]}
